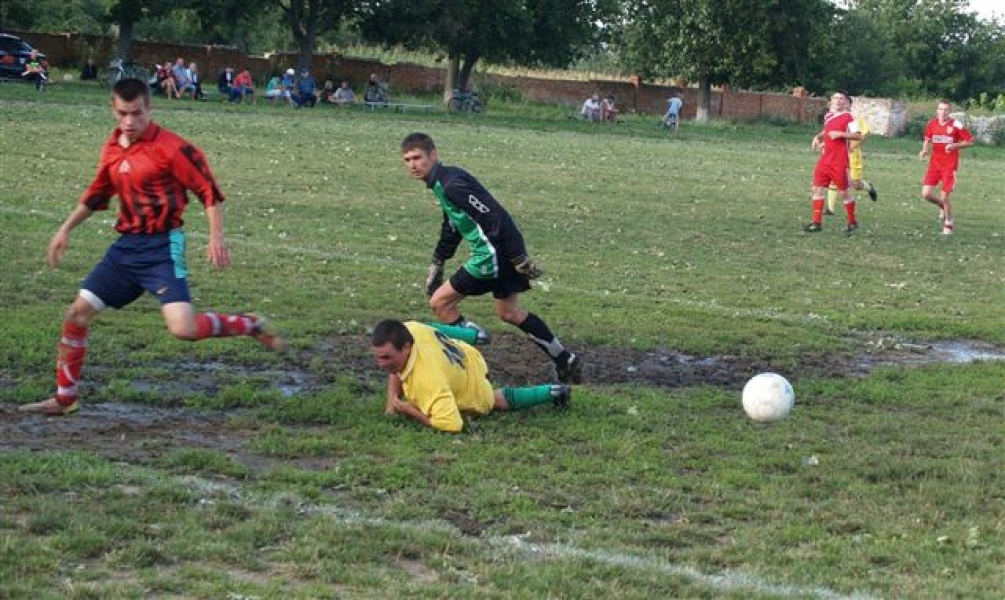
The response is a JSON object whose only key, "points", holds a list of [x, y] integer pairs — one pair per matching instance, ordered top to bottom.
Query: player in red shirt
{"points": [[944, 136], [832, 167], [149, 168]]}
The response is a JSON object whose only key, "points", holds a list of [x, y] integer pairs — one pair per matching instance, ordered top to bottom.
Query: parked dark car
{"points": [[14, 52]]}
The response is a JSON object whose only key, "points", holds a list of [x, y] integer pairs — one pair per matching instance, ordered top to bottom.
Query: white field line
{"points": [[545, 285], [516, 548]]}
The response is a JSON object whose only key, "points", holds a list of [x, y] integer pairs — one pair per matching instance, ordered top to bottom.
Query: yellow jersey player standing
{"points": [[856, 168]]}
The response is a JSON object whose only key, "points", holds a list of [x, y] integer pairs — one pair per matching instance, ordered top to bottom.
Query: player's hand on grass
{"points": [[527, 267], [434, 277]]}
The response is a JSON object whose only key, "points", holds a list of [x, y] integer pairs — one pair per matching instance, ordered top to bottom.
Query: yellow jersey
{"points": [[444, 378]]}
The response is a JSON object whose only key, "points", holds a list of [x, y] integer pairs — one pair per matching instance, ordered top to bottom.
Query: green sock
{"points": [[457, 332], [525, 397]]}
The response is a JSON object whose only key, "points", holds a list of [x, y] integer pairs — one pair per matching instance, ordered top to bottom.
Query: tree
{"points": [[127, 13], [309, 18], [526, 32], [744, 42], [947, 51], [857, 56]]}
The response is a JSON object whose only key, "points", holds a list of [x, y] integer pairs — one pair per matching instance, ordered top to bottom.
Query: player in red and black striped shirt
{"points": [[149, 169]]}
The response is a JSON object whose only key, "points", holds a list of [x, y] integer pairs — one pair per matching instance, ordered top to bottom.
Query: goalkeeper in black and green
{"points": [[499, 262]]}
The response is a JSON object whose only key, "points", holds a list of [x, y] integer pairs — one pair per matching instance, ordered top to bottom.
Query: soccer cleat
{"points": [[873, 194], [828, 212], [812, 228], [947, 228], [850, 229], [261, 331], [483, 337], [571, 371], [560, 396], [50, 407]]}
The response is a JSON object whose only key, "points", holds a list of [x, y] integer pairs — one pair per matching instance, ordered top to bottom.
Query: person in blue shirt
{"points": [[305, 88]]}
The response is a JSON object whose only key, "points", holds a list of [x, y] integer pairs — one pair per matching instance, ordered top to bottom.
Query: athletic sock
{"points": [[832, 199], [849, 208], [818, 210], [211, 324], [457, 332], [538, 332], [70, 362], [520, 398]]}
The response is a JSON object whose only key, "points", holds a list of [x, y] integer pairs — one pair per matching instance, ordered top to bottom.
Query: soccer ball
{"points": [[768, 397]]}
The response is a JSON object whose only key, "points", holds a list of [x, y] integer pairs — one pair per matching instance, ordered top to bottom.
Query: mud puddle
{"points": [[140, 433]]}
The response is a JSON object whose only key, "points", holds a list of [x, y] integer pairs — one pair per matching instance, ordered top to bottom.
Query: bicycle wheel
{"points": [[454, 105], [476, 105]]}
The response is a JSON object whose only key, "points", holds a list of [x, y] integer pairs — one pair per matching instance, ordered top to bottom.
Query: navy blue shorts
{"points": [[136, 263], [508, 282]]}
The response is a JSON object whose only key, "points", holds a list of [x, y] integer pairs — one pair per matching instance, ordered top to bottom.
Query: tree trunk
{"points": [[126, 16], [309, 33], [125, 39], [464, 77], [451, 80], [704, 108]]}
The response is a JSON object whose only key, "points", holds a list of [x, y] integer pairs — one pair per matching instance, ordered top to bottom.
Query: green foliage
{"points": [[526, 32], [739, 42], [987, 104], [915, 128]]}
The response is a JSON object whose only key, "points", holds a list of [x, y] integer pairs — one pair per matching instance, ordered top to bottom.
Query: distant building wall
{"points": [[885, 117]]}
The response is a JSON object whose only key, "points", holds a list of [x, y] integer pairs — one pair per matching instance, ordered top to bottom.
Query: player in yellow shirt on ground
{"points": [[435, 379]]}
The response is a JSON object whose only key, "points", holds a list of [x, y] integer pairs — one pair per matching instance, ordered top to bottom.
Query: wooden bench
{"points": [[399, 107]]}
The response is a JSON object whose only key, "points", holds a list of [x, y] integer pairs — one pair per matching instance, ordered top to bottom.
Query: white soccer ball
{"points": [[768, 397]]}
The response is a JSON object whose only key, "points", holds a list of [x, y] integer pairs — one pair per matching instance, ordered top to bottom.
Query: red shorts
{"points": [[826, 175], [935, 176]]}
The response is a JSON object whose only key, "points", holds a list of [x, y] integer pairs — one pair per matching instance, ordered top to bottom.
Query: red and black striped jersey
{"points": [[150, 178]]}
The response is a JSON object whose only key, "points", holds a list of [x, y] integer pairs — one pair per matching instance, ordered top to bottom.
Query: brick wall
{"points": [[885, 117]]}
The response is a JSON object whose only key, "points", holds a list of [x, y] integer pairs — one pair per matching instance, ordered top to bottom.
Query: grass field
{"points": [[676, 265]]}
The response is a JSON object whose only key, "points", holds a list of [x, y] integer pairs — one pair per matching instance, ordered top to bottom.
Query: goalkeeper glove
{"points": [[526, 267], [434, 277]]}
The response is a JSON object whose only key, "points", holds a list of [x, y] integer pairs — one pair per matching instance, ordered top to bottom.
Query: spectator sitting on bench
{"points": [[36, 69], [182, 78], [165, 80], [225, 82], [192, 86], [280, 87], [243, 88], [305, 90], [375, 92], [327, 93], [344, 96], [591, 109], [607, 110]]}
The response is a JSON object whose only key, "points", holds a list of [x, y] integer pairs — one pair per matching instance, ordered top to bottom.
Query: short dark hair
{"points": [[130, 89], [418, 141], [391, 331]]}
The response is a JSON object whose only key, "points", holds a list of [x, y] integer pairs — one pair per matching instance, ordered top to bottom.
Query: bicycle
{"points": [[120, 69], [467, 102]]}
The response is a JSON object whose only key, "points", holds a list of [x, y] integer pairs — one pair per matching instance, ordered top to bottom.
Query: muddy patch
{"points": [[140, 433]]}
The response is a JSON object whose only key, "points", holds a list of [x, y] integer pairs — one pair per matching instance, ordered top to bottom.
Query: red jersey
{"points": [[940, 134], [836, 151], [150, 179]]}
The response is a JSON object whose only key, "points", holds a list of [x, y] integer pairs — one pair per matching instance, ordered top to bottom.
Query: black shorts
{"points": [[508, 282]]}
